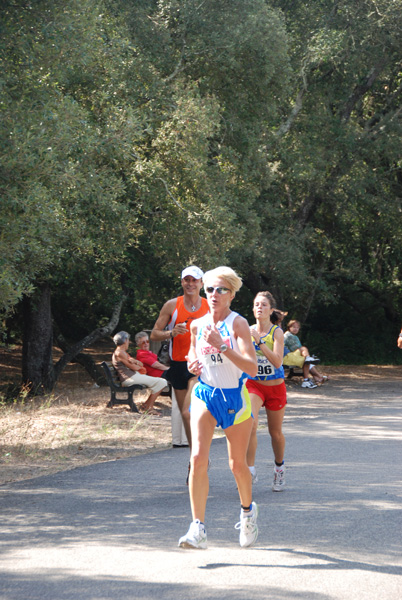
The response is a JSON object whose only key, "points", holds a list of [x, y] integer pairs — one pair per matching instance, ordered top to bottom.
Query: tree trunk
{"points": [[70, 352], [85, 360], [37, 363], [91, 368], [38, 371]]}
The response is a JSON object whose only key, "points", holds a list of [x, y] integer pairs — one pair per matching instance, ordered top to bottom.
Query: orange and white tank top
{"points": [[180, 345]]}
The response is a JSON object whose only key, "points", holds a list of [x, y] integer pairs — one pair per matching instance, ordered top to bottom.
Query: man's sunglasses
{"points": [[220, 290]]}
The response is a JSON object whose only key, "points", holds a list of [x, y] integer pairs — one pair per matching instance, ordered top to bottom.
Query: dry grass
{"points": [[73, 427], [45, 435]]}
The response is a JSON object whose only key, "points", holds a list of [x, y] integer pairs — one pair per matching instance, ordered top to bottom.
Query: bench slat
{"points": [[113, 380]]}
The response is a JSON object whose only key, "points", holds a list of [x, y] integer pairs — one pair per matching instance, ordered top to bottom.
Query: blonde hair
{"points": [[230, 277]]}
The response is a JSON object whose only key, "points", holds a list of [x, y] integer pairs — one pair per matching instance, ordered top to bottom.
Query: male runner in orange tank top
{"points": [[177, 315]]}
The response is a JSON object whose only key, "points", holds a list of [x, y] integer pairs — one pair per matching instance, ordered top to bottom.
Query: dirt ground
{"points": [[72, 427]]}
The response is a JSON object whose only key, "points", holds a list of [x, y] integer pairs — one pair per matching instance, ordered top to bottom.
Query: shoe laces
{"points": [[278, 475], [246, 521], [197, 530]]}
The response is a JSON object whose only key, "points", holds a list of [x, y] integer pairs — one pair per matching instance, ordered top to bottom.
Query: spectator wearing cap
{"points": [[173, 324]]}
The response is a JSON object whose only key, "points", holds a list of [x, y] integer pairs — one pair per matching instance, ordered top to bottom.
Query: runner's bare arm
{"points": [[158, 333], [274, 356], [246, 359], [192, 362]]}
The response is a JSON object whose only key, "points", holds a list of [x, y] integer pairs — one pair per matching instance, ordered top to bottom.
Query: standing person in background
{"points": [[177, 314], [399, 340], [222, 355], [268, 387]]}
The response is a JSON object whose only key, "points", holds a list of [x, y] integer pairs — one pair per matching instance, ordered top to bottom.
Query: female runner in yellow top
{"points": [[268, 388]]}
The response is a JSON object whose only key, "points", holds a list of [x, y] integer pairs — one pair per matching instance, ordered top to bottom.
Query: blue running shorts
{"points": [[229, 406]]}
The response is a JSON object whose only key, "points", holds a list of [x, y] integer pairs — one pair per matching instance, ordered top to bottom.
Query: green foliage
{"points": [[136, 138], [339, 162], [62, 191], [339, 335]]}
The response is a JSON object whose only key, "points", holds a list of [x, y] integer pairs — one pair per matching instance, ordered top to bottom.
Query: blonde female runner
{"points": [[222, 355]]}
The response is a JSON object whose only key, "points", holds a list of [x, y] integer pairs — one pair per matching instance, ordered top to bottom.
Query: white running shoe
{"points": [[313, 360], [308, 384], [254, 476], [279, 480], [248, 526], [196, 536]]}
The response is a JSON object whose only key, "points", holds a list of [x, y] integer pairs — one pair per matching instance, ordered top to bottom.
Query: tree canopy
{"points": [[138, 137]]}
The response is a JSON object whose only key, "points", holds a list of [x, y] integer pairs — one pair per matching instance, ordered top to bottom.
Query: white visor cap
{"points": [[193, 271]]}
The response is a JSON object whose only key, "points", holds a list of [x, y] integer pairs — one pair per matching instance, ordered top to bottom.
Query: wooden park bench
{"points": [[293, 371], [113, 380]]}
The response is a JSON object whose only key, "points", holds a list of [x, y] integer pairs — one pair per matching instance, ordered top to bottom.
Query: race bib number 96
{"points": [[264, 367]]}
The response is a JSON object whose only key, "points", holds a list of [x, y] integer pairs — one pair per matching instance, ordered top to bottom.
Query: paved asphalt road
{"points": [[111, 530]]}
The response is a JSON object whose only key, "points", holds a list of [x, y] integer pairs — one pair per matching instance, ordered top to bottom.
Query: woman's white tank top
{"points": [[218, 371]]}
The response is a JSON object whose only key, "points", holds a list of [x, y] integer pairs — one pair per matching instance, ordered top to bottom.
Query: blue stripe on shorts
{"points": [[223, 404]]}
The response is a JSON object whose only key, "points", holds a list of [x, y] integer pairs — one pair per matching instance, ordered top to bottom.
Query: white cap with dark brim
{"points": [[193, 271]]}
